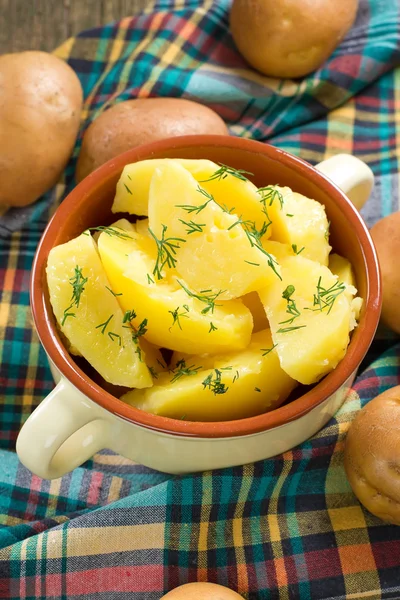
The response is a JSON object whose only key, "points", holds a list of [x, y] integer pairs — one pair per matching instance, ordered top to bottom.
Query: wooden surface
{"points": [[44, 24]]}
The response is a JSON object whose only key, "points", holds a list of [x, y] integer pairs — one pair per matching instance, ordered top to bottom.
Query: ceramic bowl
{"points": [[79, 418]]}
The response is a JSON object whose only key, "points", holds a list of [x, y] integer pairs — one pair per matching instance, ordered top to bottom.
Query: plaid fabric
{"points": [[283, 528]]}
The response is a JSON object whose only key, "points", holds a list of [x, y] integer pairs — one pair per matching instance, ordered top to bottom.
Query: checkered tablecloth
{"points": [[284, 528]]}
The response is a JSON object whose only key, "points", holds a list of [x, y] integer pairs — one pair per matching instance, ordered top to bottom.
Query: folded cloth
{"points": [[288, 527]]}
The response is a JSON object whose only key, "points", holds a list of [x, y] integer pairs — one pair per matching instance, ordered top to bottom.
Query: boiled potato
{"points": [[289, 38], [40, 107], [135, 122], [229, 188], [299, 222], [386, 237], [214, 252], [341, 267], [255, 306], [309, 313], [89, 315], [175, 319], [217, 388], [372, 456]]}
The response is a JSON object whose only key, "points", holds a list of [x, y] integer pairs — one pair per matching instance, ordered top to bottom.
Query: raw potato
{"points": [[290, 38], [41, 101], [134, 122], [386, 237], [109, 349], [254, 381], [372, 456], [201, 591]]}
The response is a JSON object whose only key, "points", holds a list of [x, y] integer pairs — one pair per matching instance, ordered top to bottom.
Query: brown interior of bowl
{"points": [[89, 205]]}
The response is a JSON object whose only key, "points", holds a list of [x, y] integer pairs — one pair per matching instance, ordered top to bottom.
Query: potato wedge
{"points": [[309, 312], [89, 315], [175, 319], [217, 388]]}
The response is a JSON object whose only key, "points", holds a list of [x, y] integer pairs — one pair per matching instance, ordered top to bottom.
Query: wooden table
{"points": [[44, 24]]}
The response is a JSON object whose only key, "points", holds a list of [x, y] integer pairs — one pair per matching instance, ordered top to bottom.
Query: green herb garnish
{"points": [[224, 171], [127, 189], [269, 194], [193, 227], [111, 231], [254, 236], [294, 248], [166, 251], [251, 263], [149, 279], [77, 282], [113, 293], [325, 297], [209, 300], [291, 307], [129, 316], [176, 316], [103, 326], [212, 327], [287, 329], [141, 330], [266, 351], [181, 370], [153, 373], [236, 376], [213, 382], [256, 389]]}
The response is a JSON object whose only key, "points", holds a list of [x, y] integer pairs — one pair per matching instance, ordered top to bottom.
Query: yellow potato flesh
{"points": [[240, 196], [300, 222], [218, 257], [128, 263], [341, 267], [315, 342], [109, 348], [253, 377]]}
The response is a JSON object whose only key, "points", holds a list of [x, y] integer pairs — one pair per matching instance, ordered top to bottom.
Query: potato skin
{"points": [[289, 38], [40, 106], [134, 122], [386, 237], [372, 456], [201, 591]]}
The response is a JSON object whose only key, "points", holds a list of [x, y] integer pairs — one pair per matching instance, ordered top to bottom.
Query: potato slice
{"points": [[237, 193], [298, 221], [213, 252], [341, 267], [255, 306], [89, 315], [174, 319], [309, 323], [217, 388]]}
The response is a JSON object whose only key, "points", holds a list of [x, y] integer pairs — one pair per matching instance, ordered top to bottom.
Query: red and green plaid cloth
{"points": [[284, 528]]}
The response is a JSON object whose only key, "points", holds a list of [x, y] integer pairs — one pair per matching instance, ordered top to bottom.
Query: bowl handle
{"points": [[351, 175], [64, 431]]}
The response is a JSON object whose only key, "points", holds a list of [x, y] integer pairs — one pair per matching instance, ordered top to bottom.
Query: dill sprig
{"points": [[224, 171], [127, 189], [269, 194], [192, 208], [193, 227], [111, 231], [254, 236], [294, 248], [166, 251], [149, 279], [77, 282], [113, 293], [325, 297], [209, 300], [291, 307], [129, 316], [176, 316], [212, 327], [287, 329], [141, 330], [113, 336], [267, 351], [181, 370], [153, 373], [236, 376], [213, 382]]}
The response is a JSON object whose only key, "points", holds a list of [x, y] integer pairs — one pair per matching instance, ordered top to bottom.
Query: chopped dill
{"points": [[224, 171], [127, 189], [269, 194], [193, 227], [111, 231], [254, 236], [294, 248], [166, 251], [78, 282], [113, 293], [325, 297], [209, 300], [291, 307], [176, 316], [212, 327], [266, 351], [181, 370], [213, 383]]}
